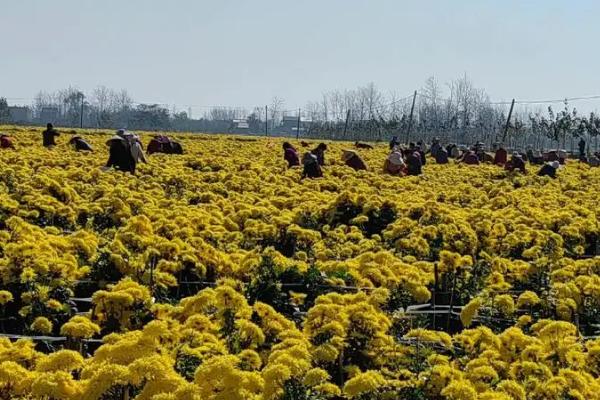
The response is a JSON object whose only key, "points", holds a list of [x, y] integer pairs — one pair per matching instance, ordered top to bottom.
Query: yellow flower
{"points": [[5, 297], [41, 325], [365, 383]]}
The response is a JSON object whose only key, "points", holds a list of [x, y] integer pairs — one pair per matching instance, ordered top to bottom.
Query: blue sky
{"points": [[236, 52]]}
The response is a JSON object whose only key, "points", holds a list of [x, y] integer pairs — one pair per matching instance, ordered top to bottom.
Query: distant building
{"points": [[20, 114], [49, 114], [289, 125], [240, 126]]}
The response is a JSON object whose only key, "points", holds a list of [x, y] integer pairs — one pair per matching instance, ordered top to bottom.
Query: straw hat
{"points": [[348, 154], [562, 154], [395, 158]]}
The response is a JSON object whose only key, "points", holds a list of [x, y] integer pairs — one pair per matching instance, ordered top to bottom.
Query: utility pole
{"points": [[512, 105], [81, 114], [410, 119], [266, 120], [346, 123], [298, 126]]}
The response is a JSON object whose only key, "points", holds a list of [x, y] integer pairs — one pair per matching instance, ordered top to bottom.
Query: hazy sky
{"points": [[235, 52]]}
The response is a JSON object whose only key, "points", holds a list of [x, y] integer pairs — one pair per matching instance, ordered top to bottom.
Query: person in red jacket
{"points": [[6, 142], [290, 154], [501, 156], [353, 160]]}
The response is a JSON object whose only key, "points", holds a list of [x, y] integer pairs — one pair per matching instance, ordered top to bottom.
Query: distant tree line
{"points": [[455, 112], [464, 116]]}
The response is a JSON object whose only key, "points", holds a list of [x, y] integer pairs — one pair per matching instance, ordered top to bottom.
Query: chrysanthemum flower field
{"points": [[220, 274]]}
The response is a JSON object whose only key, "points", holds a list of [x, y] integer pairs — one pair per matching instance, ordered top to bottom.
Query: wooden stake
{"points": [[512, 105], [410, 119], [346, 124], [298, 126]]}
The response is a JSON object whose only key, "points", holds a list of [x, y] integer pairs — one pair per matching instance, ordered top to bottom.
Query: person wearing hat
{"points": [[49, 135], [6, 142], [79, 144], [125, 151], [290, 154], [501, 156], [353, 160], [394, 163], [516, 163], [312, 169], [549, 169]]}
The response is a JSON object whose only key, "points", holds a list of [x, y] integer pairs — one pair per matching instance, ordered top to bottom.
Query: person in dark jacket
{"points": [[49, 135], [6, 142], [394, 142], [79, 144], [164, 144], [435, 147], [320, 153], [290, 154], [120, 155], [441, 156], [501, 156], [470, 158], [353, 160], [516, 163], [413, 164], [312, 169], [549, 169]]}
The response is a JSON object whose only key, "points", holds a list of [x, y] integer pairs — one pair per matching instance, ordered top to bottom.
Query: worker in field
{"points": [[49, 136], [6, 142], [394, 142], [80, 144], [164, 144], [435, 147], [319, 151], [453, 151], [125, 152], [290, 154], [441, 156], [501, 156], [470, 158], [353, 160], [394, 163], [516, 163], [414, 165], [312, 168], [549, 169]]}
